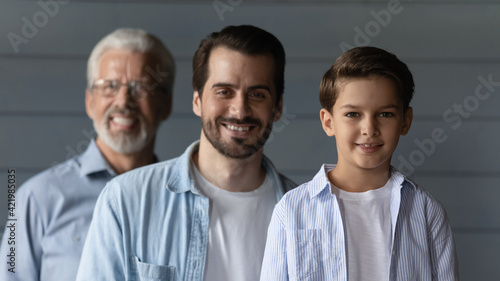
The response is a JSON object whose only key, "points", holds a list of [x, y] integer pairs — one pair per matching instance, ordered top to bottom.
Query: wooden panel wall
{"points": [[452, 47]]}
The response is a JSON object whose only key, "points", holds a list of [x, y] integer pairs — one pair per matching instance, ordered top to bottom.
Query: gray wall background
{"points": [[450, 46]]}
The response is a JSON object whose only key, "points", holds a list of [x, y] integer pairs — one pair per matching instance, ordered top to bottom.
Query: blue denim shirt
{"points": [[53, 211], [152, 224]]}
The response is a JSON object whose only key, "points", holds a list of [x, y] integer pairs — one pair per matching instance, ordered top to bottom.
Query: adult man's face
{"points": [[238, 103], [124, 122]]}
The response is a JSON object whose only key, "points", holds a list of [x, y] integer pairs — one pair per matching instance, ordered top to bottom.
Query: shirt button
{"points": [[76, 238]]}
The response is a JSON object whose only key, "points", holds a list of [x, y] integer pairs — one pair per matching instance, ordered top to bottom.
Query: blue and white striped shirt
{"points": [[306, 237]]}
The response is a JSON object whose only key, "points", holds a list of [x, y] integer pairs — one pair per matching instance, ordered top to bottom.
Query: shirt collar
{"points": [[92, 161], [182, 177], [400, 179], [320, 181], [279, 185]]}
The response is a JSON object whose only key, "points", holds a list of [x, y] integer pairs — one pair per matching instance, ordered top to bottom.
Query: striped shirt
{"points": [[306, 237]]}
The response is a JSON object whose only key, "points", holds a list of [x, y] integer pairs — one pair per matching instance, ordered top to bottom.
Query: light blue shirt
{"points": [[53, 212], [153, 224], [306, 237]]}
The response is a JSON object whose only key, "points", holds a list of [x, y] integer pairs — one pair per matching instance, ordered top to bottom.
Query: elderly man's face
{"points": [[123, 122]]}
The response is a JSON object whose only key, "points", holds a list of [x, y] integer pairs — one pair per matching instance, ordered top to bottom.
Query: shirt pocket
{"points": [[305, 252], [142, 271]]}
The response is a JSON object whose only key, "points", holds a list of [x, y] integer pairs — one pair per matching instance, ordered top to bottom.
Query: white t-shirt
{"points": [[367, 223], [238, 230]]}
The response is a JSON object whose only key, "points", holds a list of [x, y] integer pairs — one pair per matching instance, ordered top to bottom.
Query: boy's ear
{"points": [[408, 118], [327, 122]]}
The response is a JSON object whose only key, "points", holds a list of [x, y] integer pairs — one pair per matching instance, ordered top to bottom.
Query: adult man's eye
{"points": [[111, 85], [140, 87], [223, 92], [258, 95], [352, 114]]}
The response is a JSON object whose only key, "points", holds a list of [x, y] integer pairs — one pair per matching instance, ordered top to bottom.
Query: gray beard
{"points": [[123, 143]]}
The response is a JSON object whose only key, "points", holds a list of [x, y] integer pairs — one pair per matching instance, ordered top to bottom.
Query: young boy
{"points": [[361, 219]]}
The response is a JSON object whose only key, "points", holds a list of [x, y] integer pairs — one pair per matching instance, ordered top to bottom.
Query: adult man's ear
{"points": [[89, 103], [197, 103], [166, 106], [278, 110]]}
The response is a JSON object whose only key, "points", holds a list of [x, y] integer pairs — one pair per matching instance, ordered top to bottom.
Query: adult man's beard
{"points": [[123, 142], [238, 148]]}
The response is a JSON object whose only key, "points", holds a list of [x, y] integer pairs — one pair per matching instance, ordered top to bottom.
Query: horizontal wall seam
{"points": [[281, 2], [290, 58]]}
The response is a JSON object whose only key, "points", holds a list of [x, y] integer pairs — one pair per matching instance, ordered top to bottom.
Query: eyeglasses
{"points": [[110, 88]]}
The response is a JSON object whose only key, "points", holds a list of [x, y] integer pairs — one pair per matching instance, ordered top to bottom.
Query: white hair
{"points": [[133, 40]]}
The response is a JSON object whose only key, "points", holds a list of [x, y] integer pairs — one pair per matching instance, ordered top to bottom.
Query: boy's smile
{"points": [[367, 121], [369, 147]]}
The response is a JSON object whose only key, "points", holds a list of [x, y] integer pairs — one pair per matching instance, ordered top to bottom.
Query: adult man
{"points": [[130, 76], [204, 215]]}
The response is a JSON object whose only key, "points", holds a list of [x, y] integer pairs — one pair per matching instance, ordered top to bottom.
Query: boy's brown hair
{"points": [[363, 62]]}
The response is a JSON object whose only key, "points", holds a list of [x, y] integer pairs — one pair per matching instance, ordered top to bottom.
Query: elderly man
{"points": [[130, 76], [205, 214]]}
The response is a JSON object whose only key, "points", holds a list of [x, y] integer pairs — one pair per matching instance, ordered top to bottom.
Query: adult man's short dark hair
{"points": [[247, 39]]}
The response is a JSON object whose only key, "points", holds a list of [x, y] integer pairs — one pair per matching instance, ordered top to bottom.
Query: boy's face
{"points": [[367, 121]]}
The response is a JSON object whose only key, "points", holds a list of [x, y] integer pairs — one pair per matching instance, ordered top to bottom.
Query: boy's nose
{"points": [[370, 128]]}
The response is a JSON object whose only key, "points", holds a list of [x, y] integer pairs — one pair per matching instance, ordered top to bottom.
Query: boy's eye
{"points": [[352, 114], [386, 114]]}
